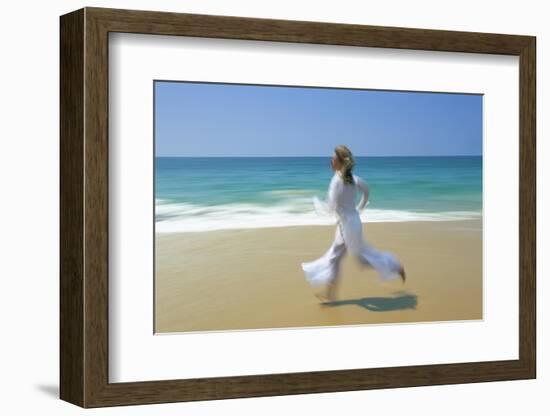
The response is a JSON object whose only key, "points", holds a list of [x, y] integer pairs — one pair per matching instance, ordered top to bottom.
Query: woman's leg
{"points": [[336, 253], [386, 264], [324, 270]]}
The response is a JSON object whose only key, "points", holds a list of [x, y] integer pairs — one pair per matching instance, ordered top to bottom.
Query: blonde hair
{"points": [[345, 157]]}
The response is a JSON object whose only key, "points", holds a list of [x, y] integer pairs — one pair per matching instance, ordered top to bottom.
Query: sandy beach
{"points": [[252, 279]]}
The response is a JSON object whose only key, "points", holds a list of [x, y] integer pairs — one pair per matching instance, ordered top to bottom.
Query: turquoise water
{"points": [[200, 194]]}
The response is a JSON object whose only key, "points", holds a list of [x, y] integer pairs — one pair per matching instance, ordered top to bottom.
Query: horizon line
{"points": [[323, 156]]}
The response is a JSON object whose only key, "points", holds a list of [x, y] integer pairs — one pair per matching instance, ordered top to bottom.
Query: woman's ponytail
{"points": [[347, 161]]}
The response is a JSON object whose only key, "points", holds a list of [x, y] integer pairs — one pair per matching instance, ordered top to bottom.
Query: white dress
{"points": [[349, 236]]}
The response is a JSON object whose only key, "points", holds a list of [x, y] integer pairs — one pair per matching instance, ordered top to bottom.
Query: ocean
{"points": [[194, 194]]}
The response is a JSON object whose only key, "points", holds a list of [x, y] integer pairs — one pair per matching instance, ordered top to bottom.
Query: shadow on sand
{"points": [[379, 304]]}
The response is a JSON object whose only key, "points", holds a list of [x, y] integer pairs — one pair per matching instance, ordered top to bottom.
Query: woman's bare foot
{"points": [[402, 274], [331, 292], [328, 296], [322, 297]]}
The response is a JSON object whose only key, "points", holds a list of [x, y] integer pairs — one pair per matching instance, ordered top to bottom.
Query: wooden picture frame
{"points": [[84, 207]]}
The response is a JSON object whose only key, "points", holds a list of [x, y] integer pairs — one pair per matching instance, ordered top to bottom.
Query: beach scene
{"points": [[238, 169]]}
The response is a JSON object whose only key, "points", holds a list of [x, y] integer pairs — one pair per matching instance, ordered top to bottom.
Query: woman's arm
{"points": [[363, 187], [332, 197], [328, 206]]}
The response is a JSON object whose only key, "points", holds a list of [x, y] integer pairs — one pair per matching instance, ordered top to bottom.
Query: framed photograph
{"points": [[256, 207]]}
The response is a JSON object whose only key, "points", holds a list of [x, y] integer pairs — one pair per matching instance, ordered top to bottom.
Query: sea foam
{"points": [[186, 217]]}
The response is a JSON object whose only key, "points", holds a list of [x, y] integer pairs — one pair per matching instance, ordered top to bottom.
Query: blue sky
{"points": [[201, 119]]}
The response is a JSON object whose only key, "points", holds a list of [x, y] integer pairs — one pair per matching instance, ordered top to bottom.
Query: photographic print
{"points": [[203, 196], [298, 206]]}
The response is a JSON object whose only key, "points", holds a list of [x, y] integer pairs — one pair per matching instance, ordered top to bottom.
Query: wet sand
{"points": [[252, 279]]}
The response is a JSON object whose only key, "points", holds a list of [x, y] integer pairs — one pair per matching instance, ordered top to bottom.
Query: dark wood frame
{"points": [[84, 207]]}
